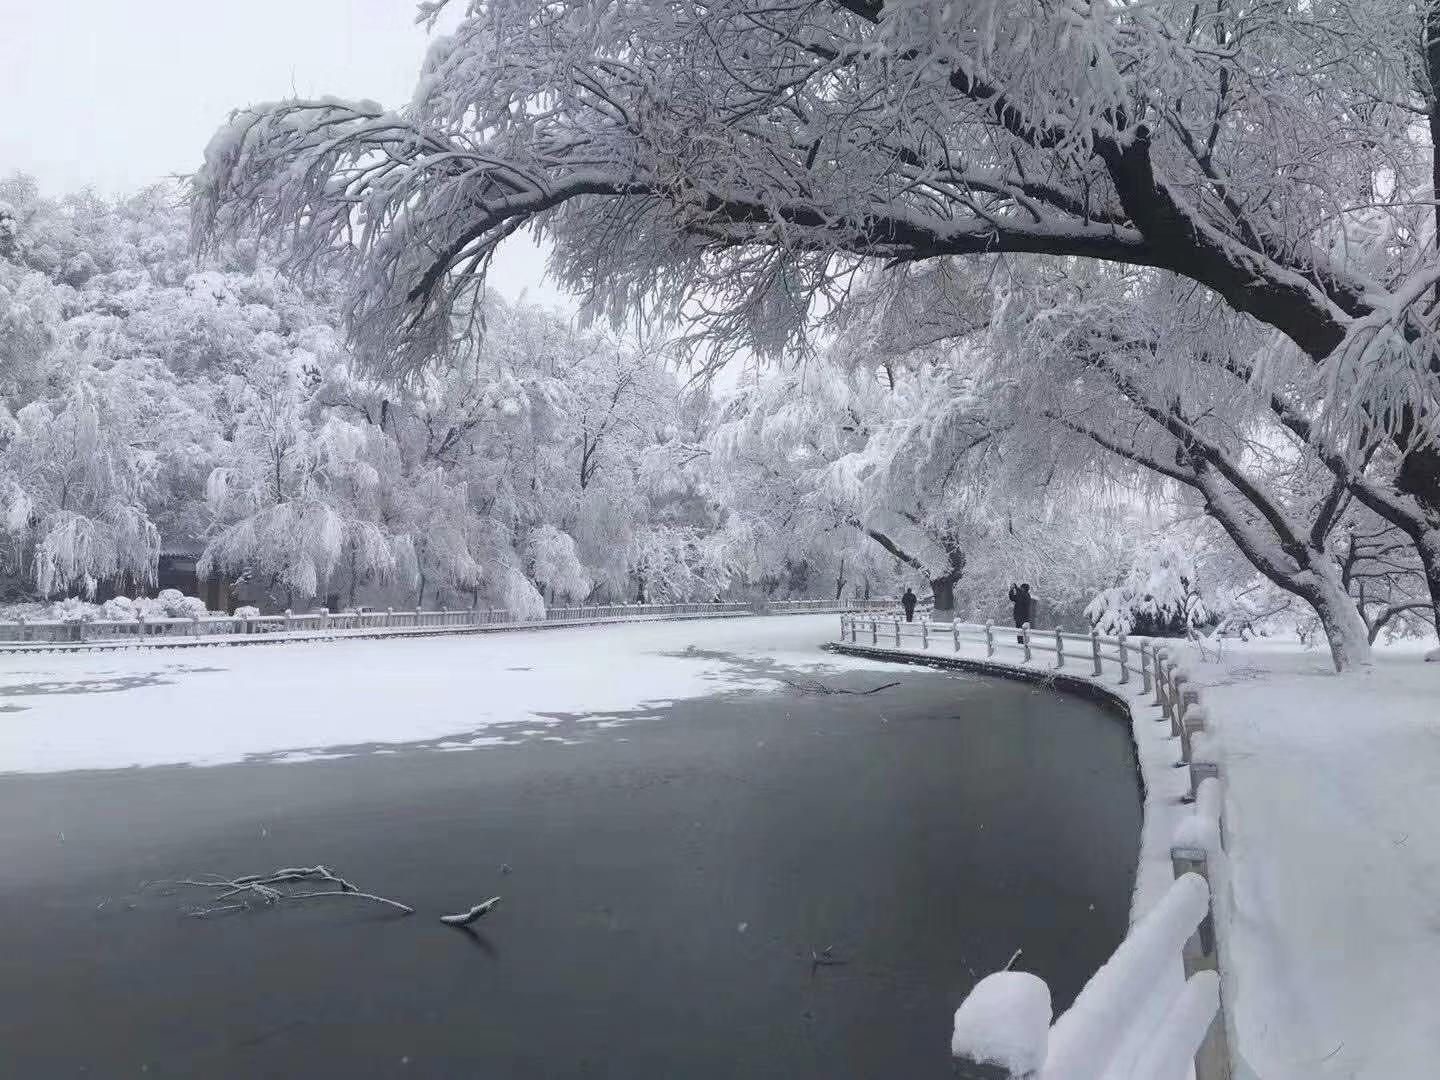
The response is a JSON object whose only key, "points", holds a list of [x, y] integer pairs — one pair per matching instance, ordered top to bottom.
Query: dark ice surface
{"points": [[673, 874]]}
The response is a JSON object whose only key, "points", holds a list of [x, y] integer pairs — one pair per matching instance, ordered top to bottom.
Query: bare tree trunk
{"points": [[942, 588]]}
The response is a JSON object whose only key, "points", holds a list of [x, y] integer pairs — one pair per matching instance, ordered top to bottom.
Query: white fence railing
{"points": [[154, 630], [1153, 1011]]}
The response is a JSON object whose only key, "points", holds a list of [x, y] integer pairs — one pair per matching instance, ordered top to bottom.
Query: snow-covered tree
{"points": [[746, 163]]}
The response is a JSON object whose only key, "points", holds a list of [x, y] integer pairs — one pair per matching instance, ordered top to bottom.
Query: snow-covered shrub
{"points": [[1160, 596], [176, 605], [247, 611]]}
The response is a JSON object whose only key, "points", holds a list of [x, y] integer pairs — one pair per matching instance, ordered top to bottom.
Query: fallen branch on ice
{"points": [[818, 688], [268, 890], [478, 911]]}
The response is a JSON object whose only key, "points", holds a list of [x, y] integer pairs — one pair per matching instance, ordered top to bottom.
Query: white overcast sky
{"points": [[117, 94]]}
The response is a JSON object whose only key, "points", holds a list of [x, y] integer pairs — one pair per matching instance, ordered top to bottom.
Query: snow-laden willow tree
{"points": [[744, 162], [147, 395], [828, 452]]}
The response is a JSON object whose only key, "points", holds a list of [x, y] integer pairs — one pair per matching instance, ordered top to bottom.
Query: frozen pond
{"points": [[673, 869]]}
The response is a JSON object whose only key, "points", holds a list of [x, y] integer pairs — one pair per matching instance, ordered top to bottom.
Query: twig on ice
{"points": [[818, 688], [268, 890], [356, 894], [480, 910], [824, 959]]}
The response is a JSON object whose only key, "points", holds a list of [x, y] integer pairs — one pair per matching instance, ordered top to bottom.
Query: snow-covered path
{"points": [[218, 705], [1332, 788]]}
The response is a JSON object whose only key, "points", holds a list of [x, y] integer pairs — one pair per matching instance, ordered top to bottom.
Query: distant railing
{"points": [[142, 629], [1137, 1018]]}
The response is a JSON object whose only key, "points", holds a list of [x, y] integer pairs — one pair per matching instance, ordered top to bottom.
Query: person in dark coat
{"points": [[908, 602], [1024, 605]]}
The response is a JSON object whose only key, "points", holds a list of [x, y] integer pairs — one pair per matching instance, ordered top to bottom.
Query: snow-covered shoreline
{"points": [[1324, 898]]}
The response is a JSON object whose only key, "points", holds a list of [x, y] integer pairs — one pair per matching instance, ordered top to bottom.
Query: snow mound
{"points": [[1006, 1022]]}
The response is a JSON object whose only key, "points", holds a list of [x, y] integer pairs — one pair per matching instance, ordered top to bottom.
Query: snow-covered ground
{"points": [[300, 701], [1332, 791]]}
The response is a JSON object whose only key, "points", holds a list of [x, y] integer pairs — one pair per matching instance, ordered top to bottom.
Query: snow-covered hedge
{"points": [[169, 604]]}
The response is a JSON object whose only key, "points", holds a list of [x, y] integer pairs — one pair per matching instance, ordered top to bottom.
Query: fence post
{"points": [[444, 614], [419, 616], [324, 617], [140, 625], [195, 625], [24, 630], [80, 630], [955, 630], [874, 631], [897, 631], [925, 633], [989, 639], [1025, 640], [1059, 648], [1095, 652], [1159, 657], [1124, 661], [1144, 667], [1176, 697], [1189, 698], [1195, 720], [1200, 771], [1200, 949], [1212, 1059]]}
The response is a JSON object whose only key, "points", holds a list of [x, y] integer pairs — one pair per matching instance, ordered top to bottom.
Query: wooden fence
{"points": [[219, 628], [1135, 1019]]}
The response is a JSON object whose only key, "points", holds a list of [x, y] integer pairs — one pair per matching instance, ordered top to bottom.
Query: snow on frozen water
{"points": [[309, 701]]}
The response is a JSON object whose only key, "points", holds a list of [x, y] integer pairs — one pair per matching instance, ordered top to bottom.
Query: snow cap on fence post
{"points": [[1002, 1028]]}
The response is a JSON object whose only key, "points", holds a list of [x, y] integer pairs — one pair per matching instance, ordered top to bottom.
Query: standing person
{"points": [[908, 603], [1024, 605]]}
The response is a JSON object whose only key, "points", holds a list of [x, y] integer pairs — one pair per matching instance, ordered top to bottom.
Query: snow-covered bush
{"points": [[1160, 596], [169, 604]]}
